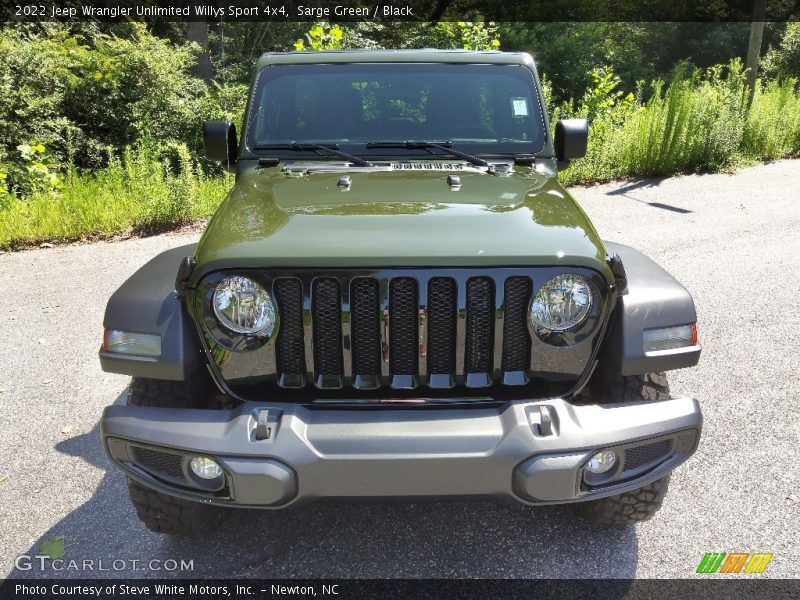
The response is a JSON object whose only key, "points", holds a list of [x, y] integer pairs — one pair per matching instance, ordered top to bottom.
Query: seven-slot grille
{"points": [[402, 331]]}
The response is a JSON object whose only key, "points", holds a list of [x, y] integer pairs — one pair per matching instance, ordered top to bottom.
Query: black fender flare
{"points": [[653, 298], [148, 303]]}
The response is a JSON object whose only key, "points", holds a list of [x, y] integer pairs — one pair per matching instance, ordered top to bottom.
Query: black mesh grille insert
{"points": [[442, 302], [327, 319], [403, 323], [480, 325], [365, 326], [516, 339], [289, 347], [641, 455], [163, 463]]}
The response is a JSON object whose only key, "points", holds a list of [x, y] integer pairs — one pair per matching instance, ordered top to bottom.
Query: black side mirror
{"points": [[219, 139], [571, 140]]}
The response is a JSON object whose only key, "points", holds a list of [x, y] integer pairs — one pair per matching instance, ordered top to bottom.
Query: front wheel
{"points": [[642, 503], [629, 507], [159, 512]]}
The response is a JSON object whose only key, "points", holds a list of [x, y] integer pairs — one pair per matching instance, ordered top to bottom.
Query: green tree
{"points": [[478, 35], [321, 36], [566, 52], [783, 60], [82, 93]]}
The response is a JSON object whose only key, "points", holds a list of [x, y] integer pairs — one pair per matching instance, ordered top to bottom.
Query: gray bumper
{"points": [[534, 452]]}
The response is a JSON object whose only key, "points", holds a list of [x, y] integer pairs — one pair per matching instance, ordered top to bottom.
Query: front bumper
{"points": [[534, 452]]}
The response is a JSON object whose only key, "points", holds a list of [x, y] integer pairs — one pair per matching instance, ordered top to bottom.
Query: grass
{"points": [[700, 122], [138, 194]]}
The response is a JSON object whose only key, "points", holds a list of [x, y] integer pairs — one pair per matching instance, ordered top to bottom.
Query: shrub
{"points": [[783, 61], [80, 94], [698, 123], [772, 127], [32, 172], [144, 190]]}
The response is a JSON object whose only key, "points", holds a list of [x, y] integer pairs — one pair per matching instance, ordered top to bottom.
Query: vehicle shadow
{"points": [[637, 184], [641, 184], [480, 539]]}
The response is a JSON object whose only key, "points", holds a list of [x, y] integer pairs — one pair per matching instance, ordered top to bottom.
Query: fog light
{"points": [[602, 461], [205, 468]]}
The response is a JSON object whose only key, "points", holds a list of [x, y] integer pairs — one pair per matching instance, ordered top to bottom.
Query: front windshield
{"points": [[481, 109]]}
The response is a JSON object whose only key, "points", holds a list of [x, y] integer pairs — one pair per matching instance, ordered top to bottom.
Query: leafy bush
{"points": [[478, 35], [321, 36], [783, 60], [80, 94], [697, 123], [772, 128], [32, 172]]}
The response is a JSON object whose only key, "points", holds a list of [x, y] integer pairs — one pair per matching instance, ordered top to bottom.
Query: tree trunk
{"points": [[198, 32], [754, 47]]}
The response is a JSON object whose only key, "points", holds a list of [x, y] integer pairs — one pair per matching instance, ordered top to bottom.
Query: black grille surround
{"points": [[390, 335]]}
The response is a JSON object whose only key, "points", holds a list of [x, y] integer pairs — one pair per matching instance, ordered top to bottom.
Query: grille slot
{"points": [[442, 301], [326, 311], [403, 324], [480, 325], [365, 327], [516, 339], [289, 345], [641, 455], [163, 463]]}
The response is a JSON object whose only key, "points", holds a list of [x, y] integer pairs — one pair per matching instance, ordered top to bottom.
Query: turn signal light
{"points": [[669, 338], [129, 342]]}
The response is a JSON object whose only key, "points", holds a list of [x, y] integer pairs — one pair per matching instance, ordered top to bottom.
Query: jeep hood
{"points": [[397, 219]]}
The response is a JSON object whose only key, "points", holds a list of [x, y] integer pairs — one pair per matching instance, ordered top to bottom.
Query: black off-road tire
{"points": [[606, 387], [197, 393], [642, 503], [623, 509], [163, 513], [174, 516]]}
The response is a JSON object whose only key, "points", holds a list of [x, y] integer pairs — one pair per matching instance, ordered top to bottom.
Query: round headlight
{"points": [[562, 303], [244, 306]]}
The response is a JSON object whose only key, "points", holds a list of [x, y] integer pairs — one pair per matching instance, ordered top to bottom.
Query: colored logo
{"points": [[734, 562]]}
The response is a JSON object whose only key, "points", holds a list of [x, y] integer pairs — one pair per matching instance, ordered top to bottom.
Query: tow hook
{"points": [[263, 430]]}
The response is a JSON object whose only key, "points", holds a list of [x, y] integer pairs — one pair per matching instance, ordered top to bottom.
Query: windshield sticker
{"points": [[519, 107]]}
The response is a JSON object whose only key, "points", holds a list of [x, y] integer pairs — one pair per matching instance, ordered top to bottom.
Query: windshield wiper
{"points": [[307, 146], [446, 147]]}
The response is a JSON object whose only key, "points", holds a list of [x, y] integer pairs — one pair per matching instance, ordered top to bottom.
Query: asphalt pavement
{"points": [[732, 239]]}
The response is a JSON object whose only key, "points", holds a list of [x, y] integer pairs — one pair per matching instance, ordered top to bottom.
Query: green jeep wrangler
{"points": [[398, 300]]}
